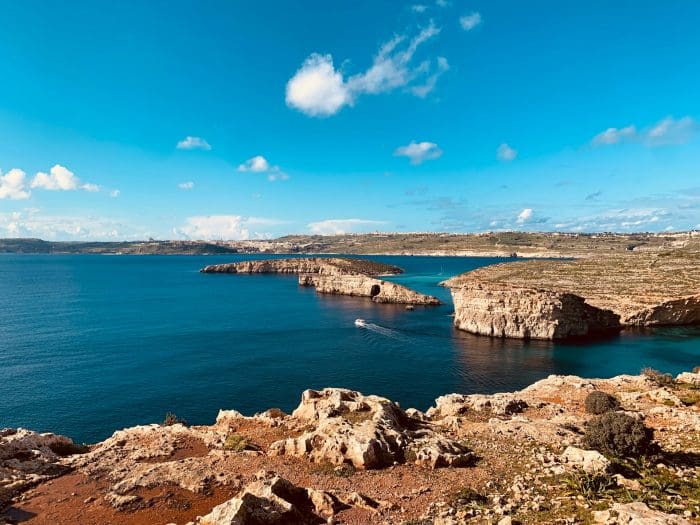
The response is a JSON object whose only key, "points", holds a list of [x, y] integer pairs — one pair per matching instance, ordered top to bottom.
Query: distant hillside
{"points": [[500, 244]]}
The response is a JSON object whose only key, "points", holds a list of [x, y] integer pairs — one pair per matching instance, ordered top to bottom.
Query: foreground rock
{"points": [[335, 276], [560, 299], [367, 432], [28, 458], [348, 458]]}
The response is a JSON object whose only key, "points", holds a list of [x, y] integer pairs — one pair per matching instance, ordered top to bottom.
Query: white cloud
{"points": [[419, 8], [469, 22], [319, 90], [422, 90], [671, 131], [665, 132], [614, 135], [190, 142], [419, 151], [506, 153], [259, 164], [61, 178], [13, 185], [186, 185], [114, 193], [524, 216], [31, 223], [341, 226], [224, 227]]}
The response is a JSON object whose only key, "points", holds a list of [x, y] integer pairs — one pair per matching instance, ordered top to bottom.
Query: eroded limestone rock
{"points": [[366, 431]]}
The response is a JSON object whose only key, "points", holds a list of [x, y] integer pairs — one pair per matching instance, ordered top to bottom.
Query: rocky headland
{"points": [[335, 276], [548, 299], [563, 450]]}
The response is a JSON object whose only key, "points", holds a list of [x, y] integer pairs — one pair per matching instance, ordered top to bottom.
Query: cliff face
{"points": [[304, 265], [335, 276], [363, 286], [558, 299], [506, 311]]}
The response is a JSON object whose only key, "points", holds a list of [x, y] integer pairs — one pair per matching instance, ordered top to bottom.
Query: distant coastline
{"points": [[495, 244]]}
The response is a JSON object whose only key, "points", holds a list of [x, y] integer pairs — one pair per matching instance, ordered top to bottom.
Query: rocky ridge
{"points": [[335, 276], [344, 457]]}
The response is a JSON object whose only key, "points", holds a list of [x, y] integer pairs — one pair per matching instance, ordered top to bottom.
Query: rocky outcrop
{"points": [[307, 265], [336, 276], [364, 286], [559, 299], [501, 310], [367, 432], [28, 458], [273, 500]]}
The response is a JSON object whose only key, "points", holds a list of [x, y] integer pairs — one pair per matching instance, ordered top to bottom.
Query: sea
{"points": [[91, 343]]}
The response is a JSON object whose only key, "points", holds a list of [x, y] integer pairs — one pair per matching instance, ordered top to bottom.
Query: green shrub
{"points": [[658, 378], [598, 402], [171, 419], [618, 435], [236, 443], [591, 486]]}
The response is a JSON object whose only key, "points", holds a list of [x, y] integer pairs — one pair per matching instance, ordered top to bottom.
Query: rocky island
{"points": [[335, 276], [556, 299], [563, 450]]}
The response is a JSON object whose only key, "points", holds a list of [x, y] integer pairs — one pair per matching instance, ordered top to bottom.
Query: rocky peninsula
{"points": [[335, 276], [557, 299], [563, 450]]}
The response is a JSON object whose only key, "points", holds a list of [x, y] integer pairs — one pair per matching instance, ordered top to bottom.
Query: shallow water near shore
{"points": [[91, 344]]}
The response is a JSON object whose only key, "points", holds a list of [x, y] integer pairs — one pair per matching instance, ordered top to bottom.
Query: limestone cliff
{"points": [[307, 265], [336, 276], [364, 286], [559, 299], [507, 311]]}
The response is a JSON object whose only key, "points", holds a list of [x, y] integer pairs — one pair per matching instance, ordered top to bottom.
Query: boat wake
{"points": [[381, 330]]}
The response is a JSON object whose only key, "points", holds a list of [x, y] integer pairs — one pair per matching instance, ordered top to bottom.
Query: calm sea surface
{"points": [[91, 344]]}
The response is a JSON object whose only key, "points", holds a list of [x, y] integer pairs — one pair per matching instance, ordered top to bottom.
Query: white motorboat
{"points": [[360, 322]]}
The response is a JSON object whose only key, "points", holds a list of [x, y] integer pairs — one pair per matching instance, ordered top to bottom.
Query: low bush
{"points": [[658, 378], [598, 402], [171, 419], [617, 434], [236, 443]]}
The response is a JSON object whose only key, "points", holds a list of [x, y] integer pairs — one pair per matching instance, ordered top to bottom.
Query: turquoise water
{"points": [[90, 344]]}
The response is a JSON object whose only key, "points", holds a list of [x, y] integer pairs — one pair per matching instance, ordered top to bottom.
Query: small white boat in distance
{"points": [[360, 322]]}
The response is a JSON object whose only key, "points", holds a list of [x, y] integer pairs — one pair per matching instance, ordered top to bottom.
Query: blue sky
{"points": [[234, 120]]}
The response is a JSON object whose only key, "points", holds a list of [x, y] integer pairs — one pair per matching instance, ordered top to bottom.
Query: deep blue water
{"points": [[90, 344]]}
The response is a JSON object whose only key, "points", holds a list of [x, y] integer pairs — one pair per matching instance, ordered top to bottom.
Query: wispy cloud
{"points": [[470, 21], [318, 89], [667, 131], [191, 142], [419, 152], [505, 153], [259, 164], [13, 185], [186, 185], [33, 223], [341, 226], [225, 227]]}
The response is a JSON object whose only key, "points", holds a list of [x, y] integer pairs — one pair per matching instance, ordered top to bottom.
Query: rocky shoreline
{"points": [[335, 276], [586, 297], [345, 457]]}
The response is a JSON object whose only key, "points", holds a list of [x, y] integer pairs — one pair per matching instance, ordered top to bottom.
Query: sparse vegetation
{"points": [[658, 377], [598, 402], [172, 419], [616, 434], [236, 443], [345, 470], [591, 487], [468, 497]]}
